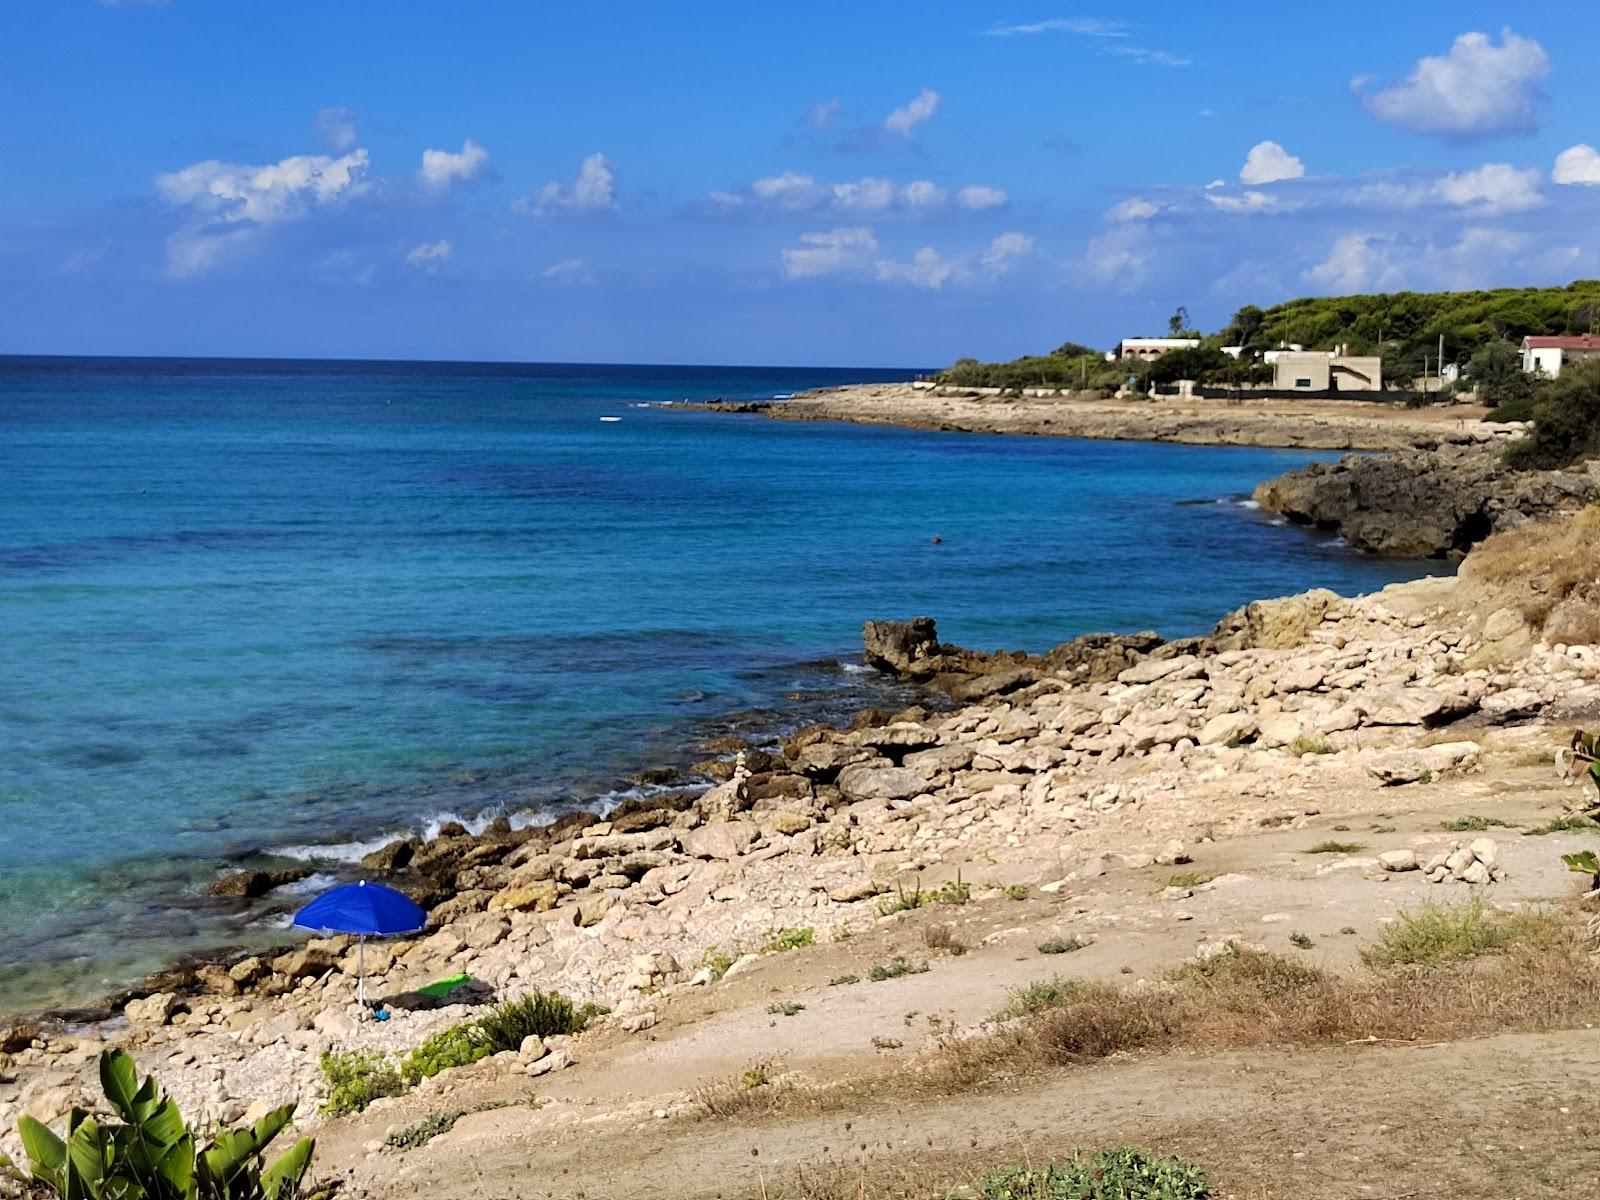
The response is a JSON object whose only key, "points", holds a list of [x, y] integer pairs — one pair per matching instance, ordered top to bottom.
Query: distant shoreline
{"points": [[1282, 424]]}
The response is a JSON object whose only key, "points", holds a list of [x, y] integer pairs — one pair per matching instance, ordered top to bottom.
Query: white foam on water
{"points": [[1250, 504], [1337, 543], [850, 668], [349, 852]]}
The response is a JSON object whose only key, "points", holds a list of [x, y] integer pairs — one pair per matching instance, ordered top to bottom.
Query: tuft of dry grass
{"points": [[1550, 573], [1436, 934], [943, 938]]}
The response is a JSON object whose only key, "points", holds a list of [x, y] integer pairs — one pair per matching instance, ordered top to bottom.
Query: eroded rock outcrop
{"points": [[1425, 504]]}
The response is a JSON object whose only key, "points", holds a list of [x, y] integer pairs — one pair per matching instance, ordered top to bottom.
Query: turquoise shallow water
{"points": [[256, 606]]}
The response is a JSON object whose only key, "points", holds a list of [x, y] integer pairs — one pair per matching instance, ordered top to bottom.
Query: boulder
{"points": [[901, 648], [881, 783], [719, 840], [396, 856], [1399, 860], [250, 885], [532, 897], [305, 962], [153, 1010]]}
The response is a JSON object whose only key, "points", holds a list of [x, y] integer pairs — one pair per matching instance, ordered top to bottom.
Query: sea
{"points": [[280, 611]]}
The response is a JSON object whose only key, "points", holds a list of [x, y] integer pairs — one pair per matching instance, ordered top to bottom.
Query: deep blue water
{"points": [[256, 605]]}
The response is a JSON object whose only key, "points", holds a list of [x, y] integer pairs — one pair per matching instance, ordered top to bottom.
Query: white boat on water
{"points": [[611, 418]]}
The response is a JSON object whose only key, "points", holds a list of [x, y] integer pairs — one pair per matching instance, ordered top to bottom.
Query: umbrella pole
{"points": [[361, 970]]}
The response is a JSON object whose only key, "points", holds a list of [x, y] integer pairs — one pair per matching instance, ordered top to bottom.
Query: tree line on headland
{"points": [[1404, 329], [1480, 332]]}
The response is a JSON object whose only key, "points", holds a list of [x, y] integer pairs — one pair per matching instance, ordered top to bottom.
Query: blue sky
{"points": [[822, 183]]}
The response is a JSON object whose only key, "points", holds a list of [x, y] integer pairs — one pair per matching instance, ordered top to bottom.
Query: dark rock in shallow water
{"points": [[1424, 504], [902, 648], [396, 856], [251, 885]]}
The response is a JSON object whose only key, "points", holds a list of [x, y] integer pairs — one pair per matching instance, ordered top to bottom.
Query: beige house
{"points": [[1148, 348], [1325, 370]]}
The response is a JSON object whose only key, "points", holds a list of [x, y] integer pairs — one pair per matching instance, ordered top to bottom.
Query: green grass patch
{"points": [[1309, 744], [1571, 823], [1473, 824], [1333, 847], [1190, 879], [1436, 934], [779, 941], [1064, 945], [717, 960], [895, 968], [843, 980], [1036, 997], [786, 1008], [546, 1014], [457, 1046], [356, 1079], [424, 1131], [1122, 1173]]}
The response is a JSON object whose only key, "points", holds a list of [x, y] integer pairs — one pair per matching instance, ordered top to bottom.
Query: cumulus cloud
{"points": [[1477, 90], [822, 115], [908, 116], [336, 126], [1268, 162], [1578, 164], [441, 168], [1492, 188], [593, 191], [794, 191], [977, 197], [226, 204], [1134, 208], [844, 248], [1005, 252], [429, 255], [1120, 257], [1357, 262], [927, 269]]}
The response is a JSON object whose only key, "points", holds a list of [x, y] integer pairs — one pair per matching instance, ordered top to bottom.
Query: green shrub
{"points": [[1566, 420], [1307, 744], [1571, 823], [1472, 824], [1332, 847], [1190, 879], [1436, 934], [1301, 940], [778, 941], [1064, 945], [717, 960], [894, 968], [1046, 993], [785, 1008], [546, 1014], [457, 1046], [358, 1078], [150, 1153], [1123, 1173]]}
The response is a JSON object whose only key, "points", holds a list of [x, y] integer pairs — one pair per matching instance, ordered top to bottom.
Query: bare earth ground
{"points": [[1309, 424], [1504, 1116]]}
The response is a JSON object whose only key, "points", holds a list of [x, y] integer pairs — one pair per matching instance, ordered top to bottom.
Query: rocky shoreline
{"points": [[1292, 424], [1032, 759]]}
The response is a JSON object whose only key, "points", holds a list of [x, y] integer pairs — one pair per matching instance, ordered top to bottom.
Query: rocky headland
{"points": [[1302, 424]]}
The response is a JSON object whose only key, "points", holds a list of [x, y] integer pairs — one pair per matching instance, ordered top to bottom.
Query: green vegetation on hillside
{"points": [[1403, 328]]}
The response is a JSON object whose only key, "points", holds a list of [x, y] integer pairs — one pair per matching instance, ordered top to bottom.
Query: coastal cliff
{"points": [[1425, 504]]}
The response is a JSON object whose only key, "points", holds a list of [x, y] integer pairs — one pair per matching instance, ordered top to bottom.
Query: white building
{"points": [[1148, 348], [1546, 355]]}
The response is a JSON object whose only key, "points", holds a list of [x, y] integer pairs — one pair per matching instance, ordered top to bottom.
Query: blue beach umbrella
{"points": [[366, 910]]}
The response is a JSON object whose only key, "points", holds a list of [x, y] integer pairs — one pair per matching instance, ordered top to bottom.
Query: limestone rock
{"points": [[881, 783], [720, 840], [1398, 860], [156, 1009]]}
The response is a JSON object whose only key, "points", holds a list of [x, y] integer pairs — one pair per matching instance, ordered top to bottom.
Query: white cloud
{"points": [[1082, 26], [1145, 56], [1477, 90], [821, 116], [908, 116], [336, 126], [1269, 162], [1578, 164], [441, 168], [1492, 188], [594, 190], [793, 191], [865, 195], [976, 197], [1247, 201], [226, 203], [1135, 208], [845, 248], [1005, 252], [429, 255], [1121, 256], [1358, 262], [926, 269], [569, 270]]}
